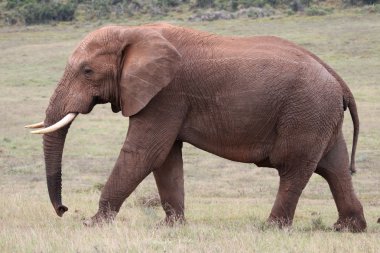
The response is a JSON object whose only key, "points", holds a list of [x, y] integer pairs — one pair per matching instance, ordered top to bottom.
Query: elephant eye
{"points": [[87, 71]]}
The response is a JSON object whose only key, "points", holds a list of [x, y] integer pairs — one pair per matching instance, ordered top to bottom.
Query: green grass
{"points": [[226, 202]]}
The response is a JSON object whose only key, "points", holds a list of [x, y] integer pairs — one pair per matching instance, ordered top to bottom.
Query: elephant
{"points": [[261, 100]]}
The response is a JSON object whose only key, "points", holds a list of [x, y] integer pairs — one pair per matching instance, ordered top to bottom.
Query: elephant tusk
{"points": [[63, 122], [37, 125]]}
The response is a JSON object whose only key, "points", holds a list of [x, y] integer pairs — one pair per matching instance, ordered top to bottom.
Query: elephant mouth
{"points": [[97, 100], [68, 118]]}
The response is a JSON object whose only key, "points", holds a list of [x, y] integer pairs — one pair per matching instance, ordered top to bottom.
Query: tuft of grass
{"points": [[98, 186], [148, 201], [317, 224]]}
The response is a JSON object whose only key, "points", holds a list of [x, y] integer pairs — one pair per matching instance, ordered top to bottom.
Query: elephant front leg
{"points": [[149, 141], [130, 169], [170, 184]]}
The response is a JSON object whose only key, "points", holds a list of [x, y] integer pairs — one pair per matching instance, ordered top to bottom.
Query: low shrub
{"points": [[360, 2], [205, 3], [375, 8], [98, 9], [317, 11], [35, 12], [252, 12]]}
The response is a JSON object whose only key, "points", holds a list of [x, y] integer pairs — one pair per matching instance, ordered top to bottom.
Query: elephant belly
{"points": [[238, 137], [255, 152]]}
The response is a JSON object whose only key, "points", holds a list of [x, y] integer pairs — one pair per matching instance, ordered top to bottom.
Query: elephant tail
{"points": [[348, 102], [351, 104]]}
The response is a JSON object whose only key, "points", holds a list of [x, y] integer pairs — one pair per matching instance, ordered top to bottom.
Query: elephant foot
{"points": [[100, 218], [172, 220], [280, 222], [351, 224]]}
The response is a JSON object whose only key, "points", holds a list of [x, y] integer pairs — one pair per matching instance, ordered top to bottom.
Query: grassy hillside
{"points": [[227, 203]]}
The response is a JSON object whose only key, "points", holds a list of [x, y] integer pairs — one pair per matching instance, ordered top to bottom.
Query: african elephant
{"points": [[261, 100]]}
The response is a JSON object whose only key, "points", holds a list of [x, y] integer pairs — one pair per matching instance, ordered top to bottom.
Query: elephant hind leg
{"points": [[296, 160], [334, 167], [293, 179], [170, 184]]}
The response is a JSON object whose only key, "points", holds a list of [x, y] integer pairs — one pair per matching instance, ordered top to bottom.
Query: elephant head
{"points": [[123, 66]]}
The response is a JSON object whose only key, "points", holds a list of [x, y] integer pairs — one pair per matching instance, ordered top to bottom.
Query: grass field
{"points": [[227, 203]]}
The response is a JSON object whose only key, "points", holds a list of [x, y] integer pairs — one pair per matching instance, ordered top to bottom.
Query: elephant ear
{"points": [[150, 63]]}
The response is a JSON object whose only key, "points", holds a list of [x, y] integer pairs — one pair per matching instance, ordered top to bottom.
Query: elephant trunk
{"points": [[53, 148]]}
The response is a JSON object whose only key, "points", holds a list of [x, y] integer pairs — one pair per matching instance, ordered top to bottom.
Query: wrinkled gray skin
{"points": [[259, 100]]}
